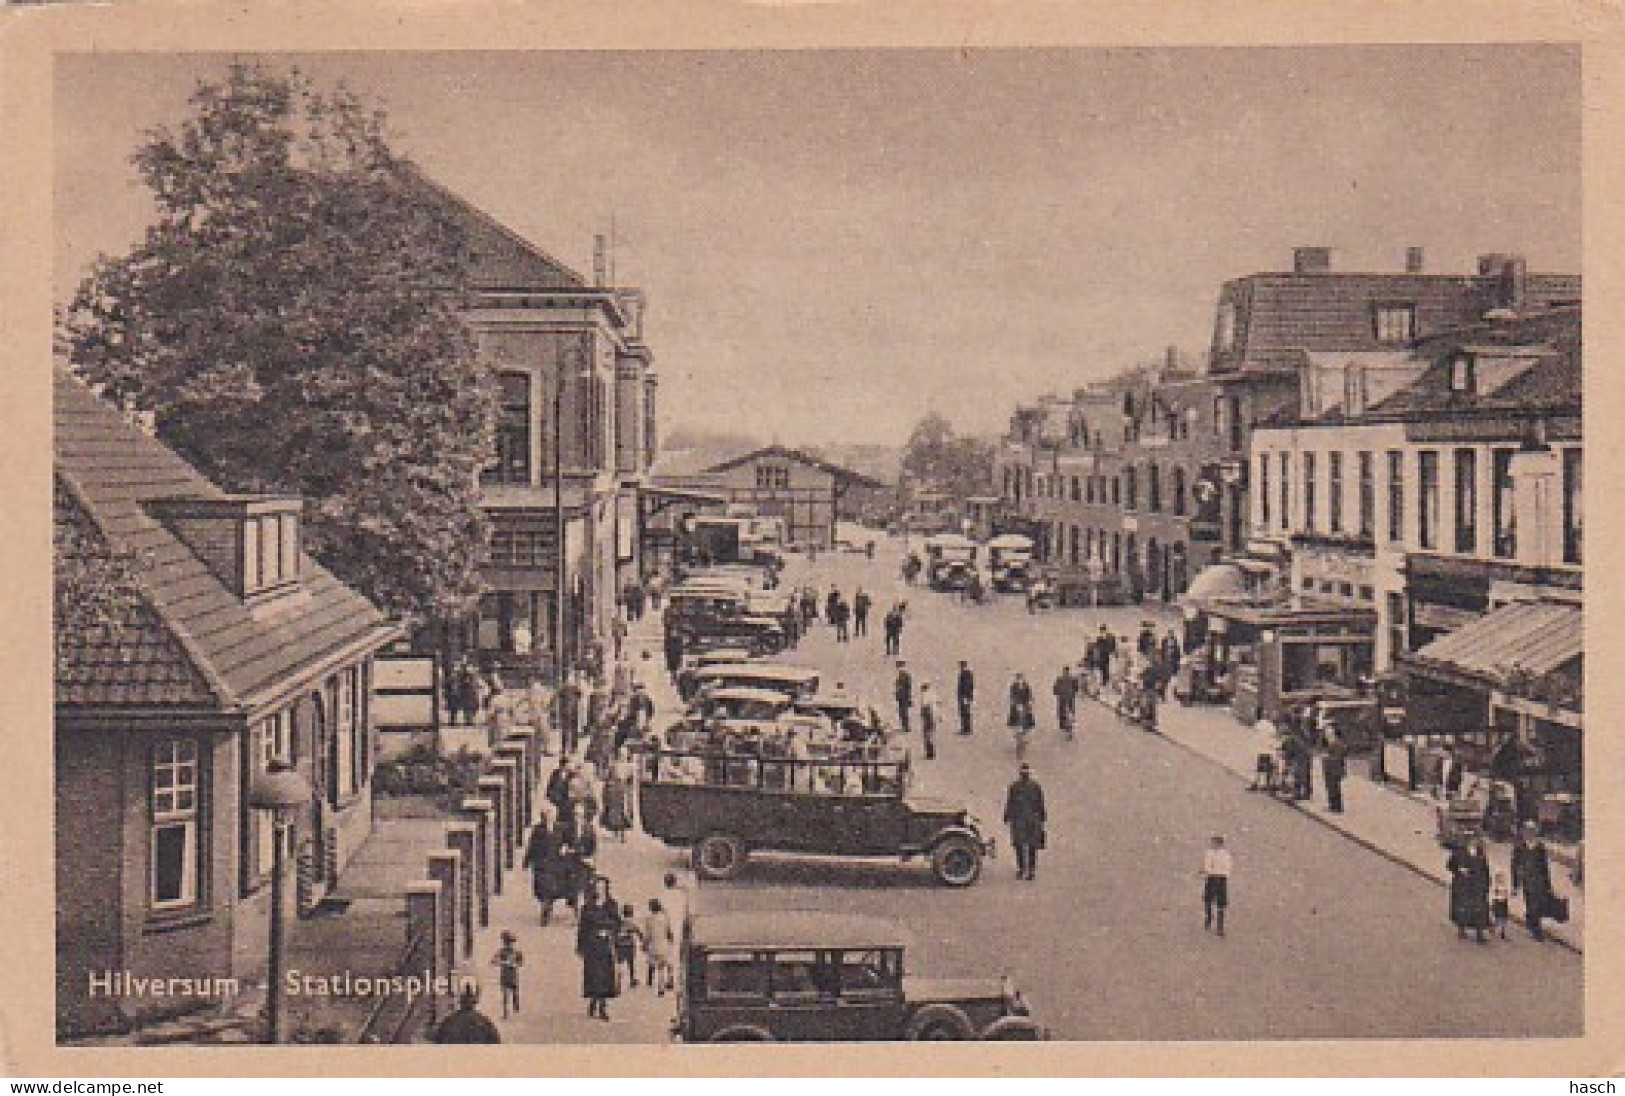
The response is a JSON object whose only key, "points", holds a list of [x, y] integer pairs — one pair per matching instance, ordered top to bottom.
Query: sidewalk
{"points": [[1389, 821], [552, 1008]]}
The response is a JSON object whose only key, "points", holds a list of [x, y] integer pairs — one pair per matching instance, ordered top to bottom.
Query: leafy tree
{"points": [[290, 322], [940, 459], [97, 587]]}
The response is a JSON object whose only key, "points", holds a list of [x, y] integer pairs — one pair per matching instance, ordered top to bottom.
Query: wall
{"points": [[89, 874]]}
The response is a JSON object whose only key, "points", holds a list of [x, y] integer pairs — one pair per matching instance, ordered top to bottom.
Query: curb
{"points": [[1330, 824]]}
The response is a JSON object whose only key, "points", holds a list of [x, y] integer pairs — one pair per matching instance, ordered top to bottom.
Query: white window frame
{"points": [[176, 792]]}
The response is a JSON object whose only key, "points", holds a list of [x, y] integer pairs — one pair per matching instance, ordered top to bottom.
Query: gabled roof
{"points": [[502, 259], [784, 452], [194, 644]]}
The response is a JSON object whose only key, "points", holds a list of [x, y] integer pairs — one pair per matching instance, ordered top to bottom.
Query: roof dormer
{"points": [[250, 542]]}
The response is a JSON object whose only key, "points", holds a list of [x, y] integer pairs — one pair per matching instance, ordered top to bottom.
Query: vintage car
{"points": [[950, 559], [1010, 562], [714, 614], [793, 681], [742, 703], [723, 805], [794, 976]]}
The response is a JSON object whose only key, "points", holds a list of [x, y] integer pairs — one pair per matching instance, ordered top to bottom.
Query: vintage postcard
{"points": [[987, 524]]}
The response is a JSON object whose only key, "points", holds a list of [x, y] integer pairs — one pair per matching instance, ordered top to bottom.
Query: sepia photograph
{"points": [[568, 546]]}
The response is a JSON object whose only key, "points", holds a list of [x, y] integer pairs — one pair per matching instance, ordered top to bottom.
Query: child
{"points": [[1500, 903], [627, 941], [658, 943], [508, 960]]}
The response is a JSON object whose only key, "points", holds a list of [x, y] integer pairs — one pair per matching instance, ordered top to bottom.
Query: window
{"points": [[1395, 323], [1227, 327], [1462, 375], [1218, 416], [1233, 421], [512, 463], [773, 477], [1154, 487], [1131, 488], [1077, 489], [1089, 489], [1264, 490], [1117, 491], [1286, 491], [1309, 492], [1334, 492], [1396, 495], [1368, 496], [1466, 501], [1180, 503], [1427, 507], [1573, 514], [1506, 521], [270, 545], [290, 546], [521, 546], [253, 559], [1367, 593], [1398, 642], [271, 740], [348, 775], [175, 853], [870, 973], [734, 974], [799, 975]]}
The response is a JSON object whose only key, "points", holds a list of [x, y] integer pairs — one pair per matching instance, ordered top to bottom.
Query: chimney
{"points": [[1311, 260], [1413, 260], [600, 261], [1491, 264], [1514, 283], [1171, 360]]}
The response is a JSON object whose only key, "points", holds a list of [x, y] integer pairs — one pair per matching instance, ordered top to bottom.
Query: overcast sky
{"points": [[834, 243]]}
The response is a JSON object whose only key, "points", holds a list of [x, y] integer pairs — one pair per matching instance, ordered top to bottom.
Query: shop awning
{"points": [[1535, 636]]}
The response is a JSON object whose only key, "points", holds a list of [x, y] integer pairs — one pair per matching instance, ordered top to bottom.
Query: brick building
{"points": [[243, 650]]}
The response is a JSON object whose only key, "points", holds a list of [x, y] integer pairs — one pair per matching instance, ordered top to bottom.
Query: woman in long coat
{"points": [[618, 785], [1469, 872], [550, 877], [595, 944]]}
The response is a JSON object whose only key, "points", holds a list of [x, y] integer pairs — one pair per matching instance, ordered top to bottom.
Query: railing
{"points": [[397, 1017]]}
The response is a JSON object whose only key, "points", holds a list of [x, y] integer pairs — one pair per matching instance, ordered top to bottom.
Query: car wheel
{"points": [[719, 856], [956, 861], [940, 1023], [1012, 1028], [743, 1033]]}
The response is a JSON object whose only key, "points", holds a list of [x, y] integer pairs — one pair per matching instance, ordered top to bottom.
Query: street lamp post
{"points": [[558, 530], [280, 792]]}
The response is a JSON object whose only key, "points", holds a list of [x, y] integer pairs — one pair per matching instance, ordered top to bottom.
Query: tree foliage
{"points": [[290, 322], [938, 458], [97, 587]]}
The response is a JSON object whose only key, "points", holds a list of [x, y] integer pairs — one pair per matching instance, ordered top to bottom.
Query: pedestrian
{"points": [[634, 600], [861, 601], [831, 603], [839, 614], [617, 633], [1146, 642], [1106, 648], [674, 653], [903, 690], [965, 693], [1066, 700], [567, 713], [1020, 718], [928, 721], [1266, 741], [1333, 768], [1450, 774], [557, 791], [618, 794], [1024, 813], [579, 847], [1216, 867], [1469, 872], [550, 873], [1532, 874], [1500, 903], [596, 933], [659, 942], [628, 943], [508, 960], [467, 1024]]}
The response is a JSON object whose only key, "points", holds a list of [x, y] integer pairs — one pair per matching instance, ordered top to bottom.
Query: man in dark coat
{"points": [[861, 601], [903, 690], [965, 692], [1066, 700], [1334, 767], [1024, 814], [1532, 874], [550, 878], [468, 1024]]}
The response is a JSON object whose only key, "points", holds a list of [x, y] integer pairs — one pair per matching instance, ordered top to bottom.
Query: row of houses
{"points": [[1375, 474], [244, 651]]}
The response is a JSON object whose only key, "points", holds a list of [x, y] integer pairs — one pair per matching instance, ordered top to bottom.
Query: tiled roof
{"points": [[502, 259], [1550, 344], [784, 452], [196, 642]]}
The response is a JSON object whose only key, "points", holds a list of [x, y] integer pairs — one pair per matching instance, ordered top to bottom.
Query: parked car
{"points": [[710, 615], [792, 681], [723, 806], [793, 976]]}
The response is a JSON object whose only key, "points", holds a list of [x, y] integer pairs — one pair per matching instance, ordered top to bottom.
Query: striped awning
{"points": [[1534, 636]]}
